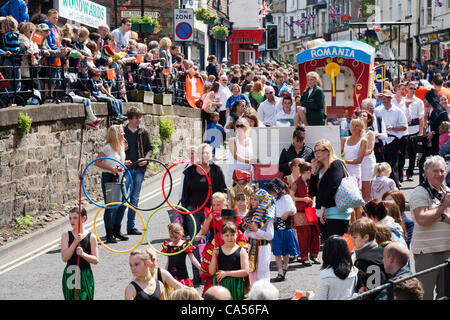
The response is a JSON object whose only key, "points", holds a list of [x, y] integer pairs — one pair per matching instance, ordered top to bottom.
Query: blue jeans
{"points": [[115, 107], [138, 178], [112, 216]]}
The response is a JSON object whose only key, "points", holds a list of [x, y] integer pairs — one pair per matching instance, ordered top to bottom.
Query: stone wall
{"points": [[42, 168]]}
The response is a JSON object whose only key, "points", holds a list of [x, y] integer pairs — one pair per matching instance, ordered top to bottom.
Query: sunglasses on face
{"points": [[412, 89], [271, 92], [240, 126], [319, 150]]}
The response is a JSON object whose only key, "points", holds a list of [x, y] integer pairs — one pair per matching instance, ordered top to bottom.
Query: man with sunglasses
{"points": [[267, 110], [416, 122]]}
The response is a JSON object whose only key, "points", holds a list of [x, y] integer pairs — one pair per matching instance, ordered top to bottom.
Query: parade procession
{"points": [[240, 150]]}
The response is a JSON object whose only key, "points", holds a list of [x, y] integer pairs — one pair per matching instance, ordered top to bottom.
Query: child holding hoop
{"points": [[87, 253], [230, 262], [176, 264], [144, 285]]}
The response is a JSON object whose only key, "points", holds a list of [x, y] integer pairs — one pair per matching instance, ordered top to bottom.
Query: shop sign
{"points": [[82, 11], [136, 13]]}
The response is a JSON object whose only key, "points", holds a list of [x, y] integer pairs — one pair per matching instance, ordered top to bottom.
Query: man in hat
{"points": [[396, 124]]}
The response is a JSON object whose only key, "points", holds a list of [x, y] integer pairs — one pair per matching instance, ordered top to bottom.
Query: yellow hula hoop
{"points": [[104, 245]]}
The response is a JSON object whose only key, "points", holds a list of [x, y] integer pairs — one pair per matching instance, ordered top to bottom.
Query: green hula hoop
{"points": [[148, 231]]}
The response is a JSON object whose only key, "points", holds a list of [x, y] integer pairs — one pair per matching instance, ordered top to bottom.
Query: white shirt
{"points": [[121, 38], [224, 94], [402, 106], [416, 111], [267, 112], [281, 115], [393, 117], [110, 153], [283, 205]]}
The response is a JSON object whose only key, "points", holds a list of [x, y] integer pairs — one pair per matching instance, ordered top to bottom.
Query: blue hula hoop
{"points": [[92, 201]]}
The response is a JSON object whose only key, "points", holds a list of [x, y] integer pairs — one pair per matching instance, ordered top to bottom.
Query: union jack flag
{"points": [[438, 3], [264, 9], [359, 13], [300, 22]]}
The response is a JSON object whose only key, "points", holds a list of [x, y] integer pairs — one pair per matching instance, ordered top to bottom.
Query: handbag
{"points": [[348, 194]]}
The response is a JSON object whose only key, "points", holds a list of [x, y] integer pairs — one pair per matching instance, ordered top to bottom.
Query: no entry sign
{"points": [[183, 24]]}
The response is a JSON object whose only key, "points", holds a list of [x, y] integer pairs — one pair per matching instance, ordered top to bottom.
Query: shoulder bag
{"points": [[348, 194]]}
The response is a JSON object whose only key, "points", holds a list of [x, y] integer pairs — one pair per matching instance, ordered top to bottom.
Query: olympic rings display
{"points": [[209, 187], [165, 198], [106, 205], [190, 242], [117, 251]]}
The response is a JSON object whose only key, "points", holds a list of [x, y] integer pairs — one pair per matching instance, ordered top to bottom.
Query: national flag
{"points": [[438, 3], [264, 9], [331, 10], [359, 13], [289, 24]]}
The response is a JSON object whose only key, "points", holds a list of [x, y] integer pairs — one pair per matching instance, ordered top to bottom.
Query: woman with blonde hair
{"points": [[164, 53], [30, 62], [312, 112], [241, 148], [354, 148], [369, 160], [111, 171], [327, 173], [144, 286]]}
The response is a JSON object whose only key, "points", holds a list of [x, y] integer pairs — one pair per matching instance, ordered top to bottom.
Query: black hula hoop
{"points": [[134, 164]]}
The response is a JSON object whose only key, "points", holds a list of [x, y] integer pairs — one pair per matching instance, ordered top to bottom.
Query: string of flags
{"points": [[438, 3], [302, 22]]}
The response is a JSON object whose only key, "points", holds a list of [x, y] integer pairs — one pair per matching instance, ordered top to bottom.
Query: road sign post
{"points": [[183, 24]]}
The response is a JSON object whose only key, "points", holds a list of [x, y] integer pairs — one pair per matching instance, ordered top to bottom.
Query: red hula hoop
{"points": [[209, 188]]}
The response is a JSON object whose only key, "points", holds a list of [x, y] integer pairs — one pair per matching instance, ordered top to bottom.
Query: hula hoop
{"points": [[127, 171], [209, 188], [106, 205], [117, 251], [170, 254]]}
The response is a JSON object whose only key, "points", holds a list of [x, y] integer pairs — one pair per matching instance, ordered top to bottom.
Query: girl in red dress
{"points": [[176, 264]]}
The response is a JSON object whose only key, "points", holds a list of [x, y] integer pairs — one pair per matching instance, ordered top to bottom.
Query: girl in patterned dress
{"points": [[176, 264]]}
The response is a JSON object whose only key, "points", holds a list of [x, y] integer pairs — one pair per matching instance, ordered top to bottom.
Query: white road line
{"points": [[56, 243]]}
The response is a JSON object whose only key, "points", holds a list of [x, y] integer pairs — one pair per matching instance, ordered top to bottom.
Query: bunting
{"points": [[438, 3]]}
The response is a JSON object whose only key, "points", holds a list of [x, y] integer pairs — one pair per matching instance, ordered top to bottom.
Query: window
{"points": [[408, 8], [390, 10], [399, 12], [429, 12]]}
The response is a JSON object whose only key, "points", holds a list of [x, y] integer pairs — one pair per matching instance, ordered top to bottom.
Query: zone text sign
{"points": [[183, 24]]}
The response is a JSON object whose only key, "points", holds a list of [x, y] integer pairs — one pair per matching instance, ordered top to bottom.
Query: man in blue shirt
{"points": [[16, 8]]}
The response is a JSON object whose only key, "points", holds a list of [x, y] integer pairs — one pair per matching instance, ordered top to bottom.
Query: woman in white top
{"points": [[114, 148], [354, 148], [241, 149], [369, 161], [338, 276]]}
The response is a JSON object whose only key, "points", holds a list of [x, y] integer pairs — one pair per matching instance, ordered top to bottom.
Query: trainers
{"points": [[99, 120], [91, 124]]}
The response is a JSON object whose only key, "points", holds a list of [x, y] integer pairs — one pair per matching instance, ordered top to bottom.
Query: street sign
{"points": [[183, 21]]}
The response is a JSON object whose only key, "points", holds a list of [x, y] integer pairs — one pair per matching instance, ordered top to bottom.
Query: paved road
{"points": [[31, 268]]}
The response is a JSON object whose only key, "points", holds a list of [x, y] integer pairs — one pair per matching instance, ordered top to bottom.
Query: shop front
{"points": [[244, 45]]}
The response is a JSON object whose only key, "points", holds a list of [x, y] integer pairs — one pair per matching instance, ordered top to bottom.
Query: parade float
{"points": [[347, 72]]}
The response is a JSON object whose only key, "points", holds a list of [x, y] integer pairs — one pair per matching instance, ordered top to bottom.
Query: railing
{"points": [[32, 90], [390, 285]]}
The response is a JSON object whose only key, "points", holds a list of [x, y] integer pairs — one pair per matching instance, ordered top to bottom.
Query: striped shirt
{"points": [[432, 238]]}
